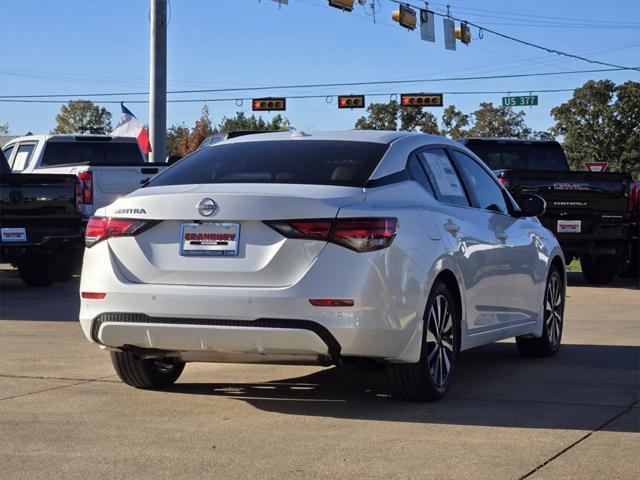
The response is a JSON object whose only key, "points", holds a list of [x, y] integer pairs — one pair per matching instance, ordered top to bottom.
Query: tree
{"points": [[627, 111], [82, 116], [380, 116], [387, 116], [418, 119], [490, 121], [253, 123], [453, 123], [601, 123], [4, 129], [202, 129], [178, 140]]}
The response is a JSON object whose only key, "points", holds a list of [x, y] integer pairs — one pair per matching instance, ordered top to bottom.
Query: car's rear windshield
{"points": [[92, 153], [509, 156], [317, 162]]}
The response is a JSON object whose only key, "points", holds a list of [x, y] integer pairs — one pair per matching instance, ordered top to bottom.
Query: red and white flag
{"points": [[130, 126]]}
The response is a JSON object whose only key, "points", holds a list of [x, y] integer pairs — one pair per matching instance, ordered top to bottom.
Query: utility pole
{"points": [[158, 81]]}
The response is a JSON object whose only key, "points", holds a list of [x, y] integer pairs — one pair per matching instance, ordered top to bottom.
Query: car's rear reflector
{"points": [[101, 228], [359, 234], [93, 295], [331, 302]]}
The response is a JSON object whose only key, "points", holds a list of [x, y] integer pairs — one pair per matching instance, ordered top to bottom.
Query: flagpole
{"points": [[158, 81]]}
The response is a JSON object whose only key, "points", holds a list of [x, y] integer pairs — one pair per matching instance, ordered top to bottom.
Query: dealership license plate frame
{"points": [[569, 226], [13, 235], [223, 248]]}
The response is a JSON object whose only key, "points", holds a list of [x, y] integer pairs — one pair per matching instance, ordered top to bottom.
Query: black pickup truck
{"points": [[590, 213], [41, 231]]}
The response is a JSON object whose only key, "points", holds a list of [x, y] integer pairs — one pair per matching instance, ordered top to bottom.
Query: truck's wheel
{"points": [[67, 265], [632, 268], [599, 269], [38, 270], [146, 372]]}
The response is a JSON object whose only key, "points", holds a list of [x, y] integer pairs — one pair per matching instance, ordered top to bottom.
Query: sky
{"points": [[79, 47]]}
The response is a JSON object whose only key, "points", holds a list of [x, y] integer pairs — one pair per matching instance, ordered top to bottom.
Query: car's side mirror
{"points": [[531, 205]]}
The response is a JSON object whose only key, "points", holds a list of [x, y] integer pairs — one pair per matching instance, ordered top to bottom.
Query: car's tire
{"points": [[38, 270], [599, 270], [553, 318], [146, 373], [428, 380]]}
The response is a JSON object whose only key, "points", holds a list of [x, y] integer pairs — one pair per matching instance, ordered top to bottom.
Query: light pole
{"points": [[158, 80]]}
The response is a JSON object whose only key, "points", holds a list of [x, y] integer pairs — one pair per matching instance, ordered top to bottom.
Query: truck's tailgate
{"points": [[114, 181], [584, 203]]}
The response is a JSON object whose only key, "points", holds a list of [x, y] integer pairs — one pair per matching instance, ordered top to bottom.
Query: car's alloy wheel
{"points": [[553, 310], [439, 341], [549, 342], [429, 378]]}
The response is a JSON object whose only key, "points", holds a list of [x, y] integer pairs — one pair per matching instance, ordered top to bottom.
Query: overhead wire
{"points": [[518, 40], [319, 85], [295, 97]]}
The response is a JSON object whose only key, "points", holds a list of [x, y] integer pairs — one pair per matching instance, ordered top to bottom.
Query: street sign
{"points": [[427, 26], [449, 34], [522, 101], [596, 166]]}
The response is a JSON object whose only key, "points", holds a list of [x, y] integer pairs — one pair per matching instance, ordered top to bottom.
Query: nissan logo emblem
{"points": [[207, 207]]}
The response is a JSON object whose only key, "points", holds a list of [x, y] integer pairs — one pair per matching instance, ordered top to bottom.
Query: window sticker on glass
{"points": [[444, 174]]}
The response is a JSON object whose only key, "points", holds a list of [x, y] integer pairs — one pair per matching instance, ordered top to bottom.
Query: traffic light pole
{"points": [[158, 81]]}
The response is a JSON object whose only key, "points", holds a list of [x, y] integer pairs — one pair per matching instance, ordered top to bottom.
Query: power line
{"points": [[523, 42], [322, 85], [327, 96]]}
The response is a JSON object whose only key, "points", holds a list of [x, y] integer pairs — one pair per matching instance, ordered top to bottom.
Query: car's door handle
{"points": [[451, 227], [501, 236]]}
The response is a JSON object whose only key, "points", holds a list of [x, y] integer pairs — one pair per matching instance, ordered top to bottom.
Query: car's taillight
{"points": [[86, 179], [504, 182], [78, 197], [634, 197], [101, 228], [359, 234]]}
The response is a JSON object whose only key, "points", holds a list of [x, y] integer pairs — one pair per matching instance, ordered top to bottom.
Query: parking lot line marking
{"points": [[580, 440]]}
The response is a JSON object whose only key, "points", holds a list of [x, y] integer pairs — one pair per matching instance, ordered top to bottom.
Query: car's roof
{"points": [[374, 136], [74, 138], [505, 140]]}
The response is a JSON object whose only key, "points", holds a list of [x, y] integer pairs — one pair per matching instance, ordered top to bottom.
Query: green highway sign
{"points": [[523, 101]]}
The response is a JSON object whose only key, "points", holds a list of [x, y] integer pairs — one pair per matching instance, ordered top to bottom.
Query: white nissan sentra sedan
{"points": [[357, 248]]}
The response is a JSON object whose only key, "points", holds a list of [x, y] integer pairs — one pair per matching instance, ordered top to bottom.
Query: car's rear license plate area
{"points": [[209, 239]]}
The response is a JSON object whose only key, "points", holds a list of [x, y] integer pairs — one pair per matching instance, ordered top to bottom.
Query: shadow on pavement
{"points": [[576, 279], [58, 303], [581, 388]]}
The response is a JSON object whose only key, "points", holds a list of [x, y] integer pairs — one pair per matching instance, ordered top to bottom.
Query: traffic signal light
{"points": [[342, 4], [406, 17], [463, 33], [421, 100], [351, 101], [270, 103]]}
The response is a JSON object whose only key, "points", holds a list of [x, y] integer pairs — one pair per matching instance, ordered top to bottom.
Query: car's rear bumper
{"points": [[382, 323]]}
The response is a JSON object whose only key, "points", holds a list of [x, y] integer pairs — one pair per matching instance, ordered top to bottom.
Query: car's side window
{"points": [[7, 154], [23, 155], [417, 173], [443, 177], [485, 190]]}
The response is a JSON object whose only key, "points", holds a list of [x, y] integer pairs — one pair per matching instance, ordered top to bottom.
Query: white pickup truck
{"points": [[108, 167]]}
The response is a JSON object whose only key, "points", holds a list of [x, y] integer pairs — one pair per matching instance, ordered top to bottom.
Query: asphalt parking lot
{"points": [[64, 413]]}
